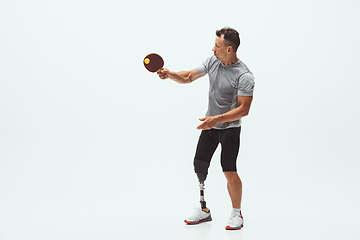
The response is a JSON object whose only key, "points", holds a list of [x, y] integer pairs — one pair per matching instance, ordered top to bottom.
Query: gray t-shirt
{"points": [[227, 82]]}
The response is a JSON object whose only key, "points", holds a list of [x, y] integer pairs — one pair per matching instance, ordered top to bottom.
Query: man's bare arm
{"points": [[182, 76], [232, 115]]}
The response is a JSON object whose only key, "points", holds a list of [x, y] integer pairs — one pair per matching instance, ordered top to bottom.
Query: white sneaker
{"points": [[199, 216], [236, 222]]}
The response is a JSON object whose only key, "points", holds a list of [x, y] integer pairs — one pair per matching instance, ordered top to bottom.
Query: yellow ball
{"points": [[147, 61]]}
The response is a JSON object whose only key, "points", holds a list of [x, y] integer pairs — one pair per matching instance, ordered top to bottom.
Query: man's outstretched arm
{"points": [[182, 76]]}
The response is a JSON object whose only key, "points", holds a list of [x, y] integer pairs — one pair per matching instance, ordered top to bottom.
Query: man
{"points": [[230, 97]]}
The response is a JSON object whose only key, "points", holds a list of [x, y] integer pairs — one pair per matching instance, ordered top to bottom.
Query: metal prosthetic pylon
{"points": [[202, 199]]}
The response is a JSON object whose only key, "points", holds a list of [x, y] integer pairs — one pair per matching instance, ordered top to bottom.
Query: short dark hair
{"points": [[231, 37]]}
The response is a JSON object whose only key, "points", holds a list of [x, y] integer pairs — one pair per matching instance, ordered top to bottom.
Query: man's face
{"points": [[220, 50]]}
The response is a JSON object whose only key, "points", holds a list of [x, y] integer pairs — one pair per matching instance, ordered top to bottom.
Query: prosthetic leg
{"points": [[201, 170], [203, 214]]}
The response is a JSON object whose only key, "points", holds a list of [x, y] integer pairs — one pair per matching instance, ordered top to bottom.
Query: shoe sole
{"points": [[196, 223], [231, 228]]}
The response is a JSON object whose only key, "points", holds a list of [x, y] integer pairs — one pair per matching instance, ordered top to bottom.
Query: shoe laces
{"points": [[197, 214], [234, 215]]}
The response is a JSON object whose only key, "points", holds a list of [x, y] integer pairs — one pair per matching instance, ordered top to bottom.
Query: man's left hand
{"points": [[208, 123]]}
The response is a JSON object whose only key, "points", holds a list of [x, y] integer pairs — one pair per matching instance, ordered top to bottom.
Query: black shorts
{"points": [[230, 143]]}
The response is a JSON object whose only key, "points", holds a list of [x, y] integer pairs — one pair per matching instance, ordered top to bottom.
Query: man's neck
{"points": [[231, 60]]}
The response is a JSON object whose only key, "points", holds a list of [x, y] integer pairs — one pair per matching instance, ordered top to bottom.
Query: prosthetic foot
{"points": [[202, 214]]}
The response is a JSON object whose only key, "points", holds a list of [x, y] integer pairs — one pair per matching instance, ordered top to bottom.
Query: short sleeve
{"points": [[204, 68], [246, 84]]}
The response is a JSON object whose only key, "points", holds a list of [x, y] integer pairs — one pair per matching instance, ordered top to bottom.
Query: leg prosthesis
{"points": [[201, 170]]}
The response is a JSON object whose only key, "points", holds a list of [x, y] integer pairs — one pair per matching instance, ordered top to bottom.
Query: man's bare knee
{"points": [[232, 177]]}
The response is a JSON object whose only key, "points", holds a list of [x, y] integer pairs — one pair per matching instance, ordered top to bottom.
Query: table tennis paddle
{"points": [[153, 62]]}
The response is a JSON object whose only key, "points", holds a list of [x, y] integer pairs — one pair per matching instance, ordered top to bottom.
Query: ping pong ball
{"points": [[147, 61]]}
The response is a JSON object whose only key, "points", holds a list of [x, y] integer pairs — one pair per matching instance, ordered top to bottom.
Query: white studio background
{"points": [[92, 146]]}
